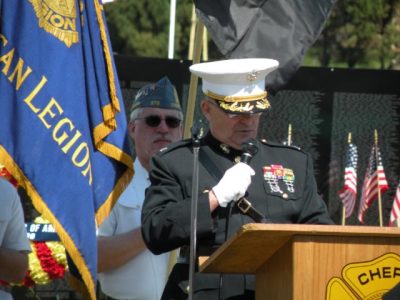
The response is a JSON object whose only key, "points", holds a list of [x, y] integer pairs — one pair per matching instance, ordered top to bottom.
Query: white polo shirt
{"points": [[12, 225], [144, 276]]}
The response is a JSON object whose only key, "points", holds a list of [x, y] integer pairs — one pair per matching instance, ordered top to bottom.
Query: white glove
{"points": [[233, 185]]}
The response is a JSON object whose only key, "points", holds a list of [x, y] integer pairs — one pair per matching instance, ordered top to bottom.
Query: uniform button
{"points": [[285, 196]]}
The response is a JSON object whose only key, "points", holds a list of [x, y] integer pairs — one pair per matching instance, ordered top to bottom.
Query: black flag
{"points": [[278, 29]]}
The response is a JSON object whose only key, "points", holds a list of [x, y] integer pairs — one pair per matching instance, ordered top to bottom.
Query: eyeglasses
{"points": [[233, 115], [154, 121]]}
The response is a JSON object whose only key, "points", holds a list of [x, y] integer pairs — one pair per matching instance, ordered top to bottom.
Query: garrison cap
{"points": [[237, 85], [161, 94]]}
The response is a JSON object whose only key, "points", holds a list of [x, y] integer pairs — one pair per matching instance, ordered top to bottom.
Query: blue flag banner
{"points": [[63, 125]]}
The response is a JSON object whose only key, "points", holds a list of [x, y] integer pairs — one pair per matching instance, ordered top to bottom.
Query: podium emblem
{"points": [[366, 280]]}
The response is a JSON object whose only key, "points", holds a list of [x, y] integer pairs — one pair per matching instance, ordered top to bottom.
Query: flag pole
{"points": [[192, 32], [171, 35], [205, 46], [193, 80], [379, 190], [344, 208], [343, 216]]}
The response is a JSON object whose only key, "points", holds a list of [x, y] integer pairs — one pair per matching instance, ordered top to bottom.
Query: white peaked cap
{"points": [[235, 77]]}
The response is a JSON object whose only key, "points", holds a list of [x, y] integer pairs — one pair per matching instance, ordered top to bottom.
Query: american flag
{"points": [[374, 181], [349, 192], [395, 213]]}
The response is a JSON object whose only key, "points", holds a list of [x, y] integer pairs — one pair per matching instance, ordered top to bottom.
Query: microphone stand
{"points": [[193, 212]]}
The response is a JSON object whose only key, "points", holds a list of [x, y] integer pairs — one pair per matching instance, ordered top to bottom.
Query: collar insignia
{"points": [[225, 148]]}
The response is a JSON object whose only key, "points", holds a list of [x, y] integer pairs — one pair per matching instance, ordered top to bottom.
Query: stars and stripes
{"points": [[374, 182], [349, 192], [395, 212]]}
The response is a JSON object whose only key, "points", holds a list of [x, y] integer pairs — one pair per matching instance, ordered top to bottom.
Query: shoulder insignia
{"points": [[274, 144], [175, 145]]}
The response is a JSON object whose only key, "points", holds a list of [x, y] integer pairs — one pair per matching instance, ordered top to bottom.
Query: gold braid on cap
{"points": [[246, 98], [262, 104]]}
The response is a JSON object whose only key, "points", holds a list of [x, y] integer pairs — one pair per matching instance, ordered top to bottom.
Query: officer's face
{"points": [[154, 129], [230, 129]]}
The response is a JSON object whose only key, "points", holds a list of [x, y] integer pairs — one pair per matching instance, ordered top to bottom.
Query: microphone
{"points": [[197, 131], [249, 149]]}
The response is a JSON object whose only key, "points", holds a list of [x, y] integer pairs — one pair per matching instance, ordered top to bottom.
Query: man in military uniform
{"points": [[278, 181]]}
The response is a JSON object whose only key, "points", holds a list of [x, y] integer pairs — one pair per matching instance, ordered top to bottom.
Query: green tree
{"points": [[138, 27], [141, 27], [182, 28], [359, 33]]}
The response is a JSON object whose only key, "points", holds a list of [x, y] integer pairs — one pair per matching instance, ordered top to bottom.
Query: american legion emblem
{"points": [[58, 17]]}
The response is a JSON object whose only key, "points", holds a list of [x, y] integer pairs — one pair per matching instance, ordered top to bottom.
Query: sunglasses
{"points": [[154, 121]]}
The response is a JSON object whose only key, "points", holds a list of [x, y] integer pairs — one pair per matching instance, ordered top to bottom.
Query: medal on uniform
{"points": [[273, 174]]}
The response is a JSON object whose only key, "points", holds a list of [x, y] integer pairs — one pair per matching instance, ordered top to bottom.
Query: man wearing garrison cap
{"points": [[276, 185], [127, 270]]}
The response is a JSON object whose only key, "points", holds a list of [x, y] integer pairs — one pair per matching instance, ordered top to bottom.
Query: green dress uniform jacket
{"points": [[283, 189]]}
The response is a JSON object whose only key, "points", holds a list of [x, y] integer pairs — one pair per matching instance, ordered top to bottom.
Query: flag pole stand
{"points": [[196, 50], [194, 53]]}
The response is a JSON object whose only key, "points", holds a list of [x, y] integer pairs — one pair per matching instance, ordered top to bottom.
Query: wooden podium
{"points": [[294, 261]]}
